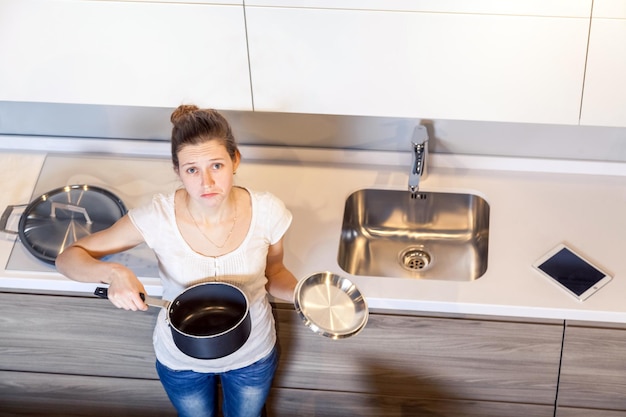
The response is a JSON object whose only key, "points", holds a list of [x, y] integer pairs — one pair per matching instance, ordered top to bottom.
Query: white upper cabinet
{"points": [[239, 2], [572, 8], [136, 53], [505, 60], [496, 61], [604, 98]]}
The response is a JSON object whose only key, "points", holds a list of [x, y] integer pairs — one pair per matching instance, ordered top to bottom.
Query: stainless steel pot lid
{"points": [[58, 218], [331, 305]]}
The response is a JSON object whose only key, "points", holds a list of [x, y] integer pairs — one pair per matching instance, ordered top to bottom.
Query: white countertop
{"points": [[530, 212]]}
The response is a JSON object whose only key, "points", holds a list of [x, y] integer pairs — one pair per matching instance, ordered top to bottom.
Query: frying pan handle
{"points": [[4, 219], [103, 292]]}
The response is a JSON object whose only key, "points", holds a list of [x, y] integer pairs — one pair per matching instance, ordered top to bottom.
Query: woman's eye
{"points": [[217, 166], [191, 170]]}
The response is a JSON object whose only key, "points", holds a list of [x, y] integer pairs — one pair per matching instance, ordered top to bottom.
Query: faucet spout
{"points": [[419, 152]]}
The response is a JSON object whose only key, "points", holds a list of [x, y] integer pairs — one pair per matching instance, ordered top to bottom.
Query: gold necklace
{"points": [[200, 229]]}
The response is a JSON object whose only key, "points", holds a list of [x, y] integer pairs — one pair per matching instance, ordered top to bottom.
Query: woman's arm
{"points": [[81, 262], [281, 283]]}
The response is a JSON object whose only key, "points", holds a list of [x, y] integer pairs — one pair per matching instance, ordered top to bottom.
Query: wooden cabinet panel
{"points": [[153, 54], [413, 64], [73, 335], [59, 349], [425, 358], [593, 370], [36, 394], [302, 403], [586, 412]]}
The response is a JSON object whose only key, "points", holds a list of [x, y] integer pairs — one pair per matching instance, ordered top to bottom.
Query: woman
{"points": [[208, 230]]}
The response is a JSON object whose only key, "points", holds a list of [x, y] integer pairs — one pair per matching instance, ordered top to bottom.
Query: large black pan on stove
{"points": [[58, 218]]}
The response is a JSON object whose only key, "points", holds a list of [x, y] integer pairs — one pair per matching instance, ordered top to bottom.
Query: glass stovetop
{"points": [[134, 180]]}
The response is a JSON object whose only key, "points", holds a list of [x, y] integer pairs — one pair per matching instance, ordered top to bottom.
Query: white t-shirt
{"points": [[180, 267]]}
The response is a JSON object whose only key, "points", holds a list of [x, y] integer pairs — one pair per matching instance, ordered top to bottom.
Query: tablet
{"points": [[572, 272]]}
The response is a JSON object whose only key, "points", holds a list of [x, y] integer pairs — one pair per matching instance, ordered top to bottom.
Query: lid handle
{"points": [[70, 207]]}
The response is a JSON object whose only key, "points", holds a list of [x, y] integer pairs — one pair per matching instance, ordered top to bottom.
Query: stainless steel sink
{"points": [[440, 236]]}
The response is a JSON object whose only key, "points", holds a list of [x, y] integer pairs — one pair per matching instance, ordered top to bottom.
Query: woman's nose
{"points": [[207, 178]]}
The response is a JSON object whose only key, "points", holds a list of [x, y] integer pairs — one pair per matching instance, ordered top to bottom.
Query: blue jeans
{"points": [[244, 390]]}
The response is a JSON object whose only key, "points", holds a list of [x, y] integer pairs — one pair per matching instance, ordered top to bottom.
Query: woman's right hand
{"points": [[81, 262], [125, 289]]}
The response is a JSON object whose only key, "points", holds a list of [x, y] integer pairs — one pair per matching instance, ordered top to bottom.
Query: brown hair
{"points": [[193, 126]]}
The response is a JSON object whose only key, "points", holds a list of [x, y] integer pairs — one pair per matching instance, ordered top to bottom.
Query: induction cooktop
{"points": [[134, 180]]}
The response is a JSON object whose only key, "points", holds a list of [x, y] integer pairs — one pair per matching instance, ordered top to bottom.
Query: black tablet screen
{"points": [[571, 271]]}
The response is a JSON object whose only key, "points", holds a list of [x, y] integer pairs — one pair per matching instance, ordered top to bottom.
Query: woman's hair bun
{"points": [[182, 111], [193, 125]]}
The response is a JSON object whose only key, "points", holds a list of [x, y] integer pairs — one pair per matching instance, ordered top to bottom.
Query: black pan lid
{"points": [[60, 217]]}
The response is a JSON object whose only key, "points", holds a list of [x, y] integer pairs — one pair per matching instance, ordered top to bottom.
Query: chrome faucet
{"points": [[419, 145]]}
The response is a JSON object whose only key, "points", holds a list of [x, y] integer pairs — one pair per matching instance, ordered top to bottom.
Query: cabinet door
{"points": [[124, 53], [471, 66], [604, 99], [75, 336], [75, 357], [420, 358], [593, 370], [56, 395], [284, 402], [586, 412]]}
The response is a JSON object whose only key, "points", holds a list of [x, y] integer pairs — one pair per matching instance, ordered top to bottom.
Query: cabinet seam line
{"points": [[245, 25], [582, 90], [558, 376]]}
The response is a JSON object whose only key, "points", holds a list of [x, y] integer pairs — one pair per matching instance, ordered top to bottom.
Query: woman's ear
{"points": [[236, 161]]}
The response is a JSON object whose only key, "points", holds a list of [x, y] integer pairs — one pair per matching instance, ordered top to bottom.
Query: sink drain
{"points": [[414, 259]]}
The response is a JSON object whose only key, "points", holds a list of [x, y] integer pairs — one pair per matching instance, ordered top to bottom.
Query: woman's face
{"points": [[206, 172]]}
